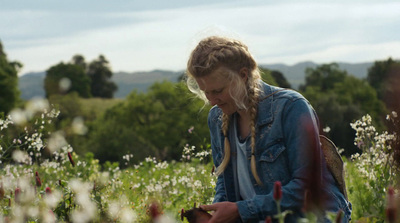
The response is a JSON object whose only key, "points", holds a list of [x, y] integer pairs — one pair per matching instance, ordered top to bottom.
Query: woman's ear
{"points": [[244, 74]]}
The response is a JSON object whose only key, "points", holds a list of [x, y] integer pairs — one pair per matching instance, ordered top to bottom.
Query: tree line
{"points": [[86, 79], [168, 117]]}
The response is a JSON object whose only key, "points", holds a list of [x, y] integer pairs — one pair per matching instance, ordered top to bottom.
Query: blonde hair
{"points": [[212, 53]]}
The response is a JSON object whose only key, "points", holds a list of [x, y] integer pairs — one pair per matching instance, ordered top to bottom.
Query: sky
{"points": [[159, 34]]}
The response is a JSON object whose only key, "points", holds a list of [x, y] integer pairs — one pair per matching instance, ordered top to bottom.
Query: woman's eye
{"points": [[218, 91]]}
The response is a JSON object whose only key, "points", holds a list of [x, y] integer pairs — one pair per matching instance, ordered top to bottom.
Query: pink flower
{"points": [[190, 130], [70, 159], [38, 181], [48, 190], [277, 191], [2, 192], [17, 193], [391, 206], [154, 209], [182, 214]]}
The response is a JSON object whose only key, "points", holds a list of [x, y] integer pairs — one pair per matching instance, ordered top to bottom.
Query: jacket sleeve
{"points": [[300, 135]]}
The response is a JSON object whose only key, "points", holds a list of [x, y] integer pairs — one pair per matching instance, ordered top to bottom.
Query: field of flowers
{"points": [[42, 179]]}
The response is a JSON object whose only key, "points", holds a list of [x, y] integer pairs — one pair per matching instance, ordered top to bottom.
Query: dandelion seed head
{"points": [[65, 84], [36, 105], [18, 116], [78, 126], [57, 141], [21, 157], [52, 199]]}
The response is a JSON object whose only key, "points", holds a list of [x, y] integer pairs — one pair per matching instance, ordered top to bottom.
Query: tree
{"points": [[79, 60], [100, 74], [324, 76], [384, 76], [267, 77], [66, 78], [280, 79], [9, 93], [339, 99], [158, 119], [110, 141]]}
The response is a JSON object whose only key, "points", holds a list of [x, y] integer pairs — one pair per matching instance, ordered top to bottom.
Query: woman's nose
{"points": [[213, 100]]}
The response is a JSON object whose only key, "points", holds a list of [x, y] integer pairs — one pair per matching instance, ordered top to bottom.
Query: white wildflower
{"points": [[326, 129]]}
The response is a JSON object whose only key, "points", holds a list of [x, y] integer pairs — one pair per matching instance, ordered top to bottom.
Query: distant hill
{"points": [[295, 74], [140, 81], [31, 84]]}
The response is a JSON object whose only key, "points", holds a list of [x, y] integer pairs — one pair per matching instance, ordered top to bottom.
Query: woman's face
{"points": [[216, 87]]}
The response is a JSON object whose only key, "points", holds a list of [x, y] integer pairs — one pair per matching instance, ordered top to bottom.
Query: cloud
{"points": [[287, 32], [354, 53]]}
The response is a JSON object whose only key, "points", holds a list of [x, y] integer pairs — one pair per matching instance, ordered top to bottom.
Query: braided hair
{"points": [[212, 53]]}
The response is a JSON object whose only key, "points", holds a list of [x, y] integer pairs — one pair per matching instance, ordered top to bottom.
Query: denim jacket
{"points": [[286, 132]]}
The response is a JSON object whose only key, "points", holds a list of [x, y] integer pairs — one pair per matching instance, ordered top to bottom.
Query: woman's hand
{"points": [[223, 212]]}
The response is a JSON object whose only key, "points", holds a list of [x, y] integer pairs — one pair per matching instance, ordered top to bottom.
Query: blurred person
{"points": [[260, 134]]}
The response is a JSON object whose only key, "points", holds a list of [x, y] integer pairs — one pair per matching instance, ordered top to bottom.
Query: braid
{"points": [[253, 95], [227, 147]]}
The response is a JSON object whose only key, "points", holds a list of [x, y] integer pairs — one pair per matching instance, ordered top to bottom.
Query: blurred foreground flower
{"points": [[65, 84], [18, 116], [78, 126], [56, 141], [21, 157], [70, 159], [38, 181], [277, 190], [17, 194], [391, 212], [156, 214]]}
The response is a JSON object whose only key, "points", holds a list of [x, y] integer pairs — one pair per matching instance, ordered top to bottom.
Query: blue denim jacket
{"points": [[286, 129]]}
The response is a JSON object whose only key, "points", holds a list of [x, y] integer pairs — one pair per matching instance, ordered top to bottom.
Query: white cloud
{"points": [[145, 40], [355, 53]]}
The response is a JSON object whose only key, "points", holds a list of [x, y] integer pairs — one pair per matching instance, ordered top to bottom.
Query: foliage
{"points": [[379, 73], [100, 74], [324, 76], [384, 76], [267, 77], [66, 78], [93, 79], [280, 79], [9, 93], [339, 99], [94, 108], [78, 110], [159, 119], [108, 146], [372, 171], [42, 179], [65, 187]]}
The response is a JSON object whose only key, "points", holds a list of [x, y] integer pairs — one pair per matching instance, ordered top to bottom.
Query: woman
{"points": [[260, 134]]}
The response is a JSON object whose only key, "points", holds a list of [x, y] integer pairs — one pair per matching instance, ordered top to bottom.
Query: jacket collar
{"points": [[265, 114]]}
